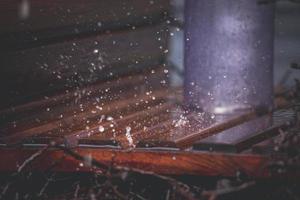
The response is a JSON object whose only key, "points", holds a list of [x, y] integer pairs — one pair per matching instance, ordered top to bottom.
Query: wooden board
{"points": [[45, 70], [77, 112], [136, 120], [250, 133], [163, 161]]}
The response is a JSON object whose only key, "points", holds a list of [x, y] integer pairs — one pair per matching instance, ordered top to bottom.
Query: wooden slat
{"points": [[33, 73], [147, 79], [26, 116], [136, 121], [140, 121], [68, 124], [152, 124], [179, 125], [184, 129], [95, 135], [163, 162]]}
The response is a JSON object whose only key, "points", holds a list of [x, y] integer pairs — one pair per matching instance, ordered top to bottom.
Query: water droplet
{"points": [[101, 129]]}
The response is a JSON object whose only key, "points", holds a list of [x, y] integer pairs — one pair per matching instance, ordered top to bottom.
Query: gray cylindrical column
{"points": [[228, 54]]}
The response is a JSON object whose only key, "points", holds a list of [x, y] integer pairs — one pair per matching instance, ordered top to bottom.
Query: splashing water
{"points": [[129, 137]]}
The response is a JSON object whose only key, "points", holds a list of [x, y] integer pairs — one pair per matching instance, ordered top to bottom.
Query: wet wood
{"points": [[46, 70], [147, 79], [46, 110], [140, 120], [240, 138], [188, 140], [265, 147], [163, 162]]}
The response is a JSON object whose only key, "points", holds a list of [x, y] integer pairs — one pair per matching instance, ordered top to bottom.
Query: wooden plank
{"points": [[42, 71], [146, 79], [100, 94], [140, 121], [69, 124], [151, 125], [184, 129], [116, 130], [189, 139], [162, 162]]}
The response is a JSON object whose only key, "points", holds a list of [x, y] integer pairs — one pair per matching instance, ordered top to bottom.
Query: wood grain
{"points": [[45, 70], [163, 162]]}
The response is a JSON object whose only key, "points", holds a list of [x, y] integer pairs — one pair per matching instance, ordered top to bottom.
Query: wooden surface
{"points": [[61, 45], [45, 70], [142, 105], [84, 110], [135, 120], [245, 135], [164, 162]]}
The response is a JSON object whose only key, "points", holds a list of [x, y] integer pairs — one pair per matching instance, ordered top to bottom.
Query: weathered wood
{"points": [[146, 79], [138, 120], [163, 162]]}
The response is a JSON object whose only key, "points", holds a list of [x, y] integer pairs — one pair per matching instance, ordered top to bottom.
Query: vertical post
{"points": [[228, 55]]}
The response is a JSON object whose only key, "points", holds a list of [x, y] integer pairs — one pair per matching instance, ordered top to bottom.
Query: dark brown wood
{"points": [[85, 93], [79, 120], [163, 162]]}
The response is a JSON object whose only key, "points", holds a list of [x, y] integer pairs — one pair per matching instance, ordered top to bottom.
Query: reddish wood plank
{"points": [[164, 162]]}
